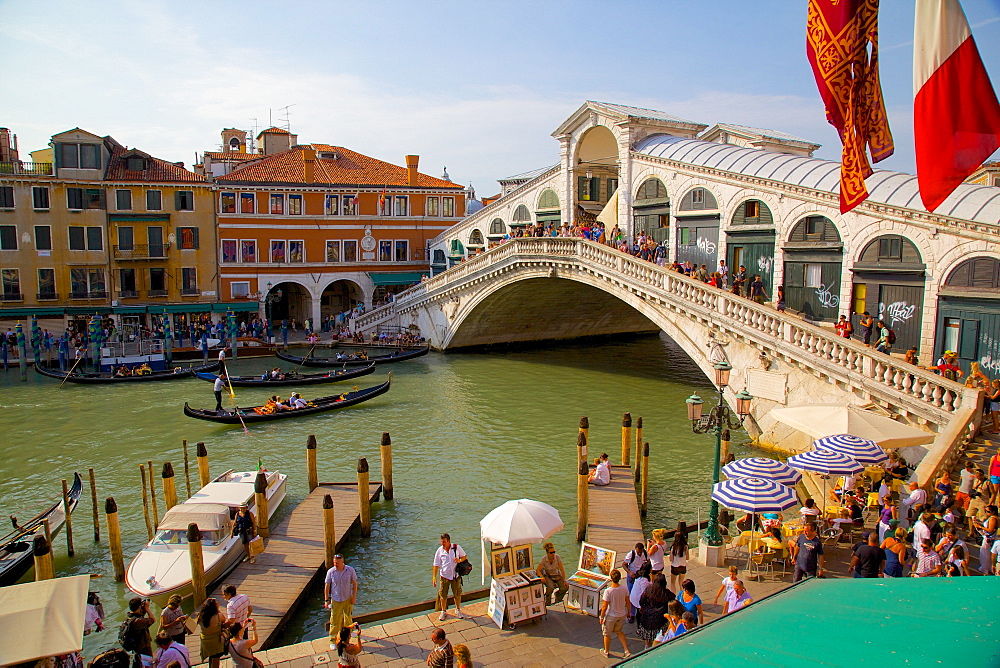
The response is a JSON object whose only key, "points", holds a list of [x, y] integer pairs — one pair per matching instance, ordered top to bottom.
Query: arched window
{"points": [[234, 144], [652, 188], [699, 199], [548, 200], [752, 212], [522, 215], [497, 227], [815, 228], [476, 238], [891, 248], [438, 256], [979, 273]]}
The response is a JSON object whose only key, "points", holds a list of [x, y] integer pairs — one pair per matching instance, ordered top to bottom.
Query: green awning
{"points": [[547, 216], [399, 278], [193, 307], [222, 307], [103, 309], [126, 310], [27, 312], [843, 621]]}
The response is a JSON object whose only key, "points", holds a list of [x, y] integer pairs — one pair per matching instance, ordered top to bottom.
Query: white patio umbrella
{"points": [[819, 420], [860, 450], [827, 463], [762, 467], [754, 495], [518, 522]]}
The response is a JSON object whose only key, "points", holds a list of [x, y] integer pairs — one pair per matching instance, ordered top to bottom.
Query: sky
{"points": [[477, 87]]}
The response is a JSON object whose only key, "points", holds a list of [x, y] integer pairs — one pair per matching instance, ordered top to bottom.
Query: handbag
{"points": [[462, 568], [257, 663]]}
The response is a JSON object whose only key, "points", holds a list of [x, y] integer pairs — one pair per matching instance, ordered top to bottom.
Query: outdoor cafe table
{"points": [[876, 473], [791, 528]]}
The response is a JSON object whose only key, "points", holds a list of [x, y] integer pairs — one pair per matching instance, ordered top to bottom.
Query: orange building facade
{"points": [[312, 231]]}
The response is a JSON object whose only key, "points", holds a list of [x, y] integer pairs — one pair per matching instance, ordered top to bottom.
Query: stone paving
{"points": [[563, 638]]}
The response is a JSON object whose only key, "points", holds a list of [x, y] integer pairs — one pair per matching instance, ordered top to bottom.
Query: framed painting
{"points": [[522, 558], [502, 561]]}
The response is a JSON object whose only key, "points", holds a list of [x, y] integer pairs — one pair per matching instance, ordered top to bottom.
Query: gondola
{"points": [[397, 356], [99, 378], [293, 378], [249, 414], [16, 555]]}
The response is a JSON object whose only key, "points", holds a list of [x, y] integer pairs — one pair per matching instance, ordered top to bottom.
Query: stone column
{"points": [[566, 164], [625, 181]]}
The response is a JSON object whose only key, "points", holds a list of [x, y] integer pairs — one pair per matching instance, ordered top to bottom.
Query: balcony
{"points": [[22, 167], [141, 252], [190, 292], [157, 293], [93, 294], [128, 294], [47, 296], [11, 297]]}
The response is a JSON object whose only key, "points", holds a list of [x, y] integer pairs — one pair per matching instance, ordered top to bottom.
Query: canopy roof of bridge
{"points": [[624, 113], [969, 202]]}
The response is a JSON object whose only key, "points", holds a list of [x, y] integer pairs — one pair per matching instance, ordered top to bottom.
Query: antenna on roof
{"points": [[287, 118], [251, 148]]}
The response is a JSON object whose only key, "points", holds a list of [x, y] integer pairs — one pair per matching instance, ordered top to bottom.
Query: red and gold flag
{"points": [[838, 36]]}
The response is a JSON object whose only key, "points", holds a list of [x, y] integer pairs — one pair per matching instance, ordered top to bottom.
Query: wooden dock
{"points": [[613, 513], [292, 561]]}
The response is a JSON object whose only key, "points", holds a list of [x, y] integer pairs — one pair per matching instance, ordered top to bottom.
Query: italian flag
{"points": [[956, 116]]}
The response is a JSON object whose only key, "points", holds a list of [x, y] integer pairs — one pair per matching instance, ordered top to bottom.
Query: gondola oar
{"points": [[308, 355], [78, 360], [232, 395]]}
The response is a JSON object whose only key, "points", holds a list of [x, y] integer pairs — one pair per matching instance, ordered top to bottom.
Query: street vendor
{"points": [[553, 574]]}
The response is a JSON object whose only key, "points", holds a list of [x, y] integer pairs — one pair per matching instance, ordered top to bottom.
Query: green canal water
{"points": [[469, 430]]}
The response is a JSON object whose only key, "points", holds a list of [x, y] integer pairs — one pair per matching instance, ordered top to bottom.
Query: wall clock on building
{"points": [[368, 243]]}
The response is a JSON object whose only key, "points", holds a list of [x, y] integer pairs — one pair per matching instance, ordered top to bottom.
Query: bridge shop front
{"points": [[814, 256], [889, 280], [968, 315]]}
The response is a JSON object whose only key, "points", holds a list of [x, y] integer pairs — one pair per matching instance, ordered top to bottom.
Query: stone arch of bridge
{"points": [[529, 303]]}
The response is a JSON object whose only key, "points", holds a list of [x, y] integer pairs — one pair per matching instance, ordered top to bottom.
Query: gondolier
{"points": [[217, 388]]}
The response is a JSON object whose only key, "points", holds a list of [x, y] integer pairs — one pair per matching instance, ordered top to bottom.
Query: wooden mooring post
{"points": [[585, 433], [626, 439], [638, 447], [385, 453], [202, 457], [187, 468], [311, 473], [645, 479], [169, 486], [152, 494], [145, 501], [260, 501], [93, 502], [582, 502], [365, 506], [329, 530], [114, 538], [42, 551], [197, 558]]}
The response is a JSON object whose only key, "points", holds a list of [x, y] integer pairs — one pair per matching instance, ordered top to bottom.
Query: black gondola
{"points": [[397, 356], [100, 378], [293, 378], [250, 414], [16, 555]]}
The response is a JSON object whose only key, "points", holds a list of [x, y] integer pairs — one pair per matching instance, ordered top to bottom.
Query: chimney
{"points": [[309, 158], [411, 169]]}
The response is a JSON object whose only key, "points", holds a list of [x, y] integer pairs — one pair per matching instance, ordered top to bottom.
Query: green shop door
{"points": [[756, 255], [901, 308], [970, 327]]}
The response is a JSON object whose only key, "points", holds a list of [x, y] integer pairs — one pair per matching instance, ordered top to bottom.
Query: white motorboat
{"points": [[163, 567]]}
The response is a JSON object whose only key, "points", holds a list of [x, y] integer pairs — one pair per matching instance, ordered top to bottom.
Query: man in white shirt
{"points": [[217, 388], [601, 475], [967, 478], [913, 504], [922, 529], [446, 558], [340, 592], [238, 608]]}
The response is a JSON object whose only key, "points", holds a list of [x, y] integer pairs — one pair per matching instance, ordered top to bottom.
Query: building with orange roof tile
{"points": [[105, 229], [312, 231]]}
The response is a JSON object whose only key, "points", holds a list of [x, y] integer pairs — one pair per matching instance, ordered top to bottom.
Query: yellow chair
{"points": [[762, 561]]}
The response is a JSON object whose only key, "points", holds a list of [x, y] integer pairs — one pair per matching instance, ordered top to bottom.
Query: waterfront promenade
{"points": [[564, 638]]}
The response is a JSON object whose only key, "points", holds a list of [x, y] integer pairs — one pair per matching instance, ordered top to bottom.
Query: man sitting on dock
{"points": [[601, 475]]}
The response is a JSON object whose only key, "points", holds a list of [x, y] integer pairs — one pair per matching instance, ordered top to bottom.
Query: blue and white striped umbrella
{"points": [[859, 449], [825, 462], [762, 467], [754, 495]]}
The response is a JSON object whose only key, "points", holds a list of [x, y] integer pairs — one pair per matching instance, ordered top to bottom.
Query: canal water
{"points": [[469, 430]]}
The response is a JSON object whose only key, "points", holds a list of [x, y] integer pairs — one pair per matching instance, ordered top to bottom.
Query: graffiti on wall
{"points": [[706, 246], [764, 265], [826, 297], [896, 312], [990, 362]]}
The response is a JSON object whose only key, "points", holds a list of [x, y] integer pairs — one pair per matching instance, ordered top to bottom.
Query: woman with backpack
{"points": [[634, 561]]}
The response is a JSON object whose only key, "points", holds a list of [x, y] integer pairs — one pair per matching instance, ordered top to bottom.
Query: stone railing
{"points": [[903, 388]]}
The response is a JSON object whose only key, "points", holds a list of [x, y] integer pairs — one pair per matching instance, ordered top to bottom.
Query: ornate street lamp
{"points": [[270, 298], [721, 417]]}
